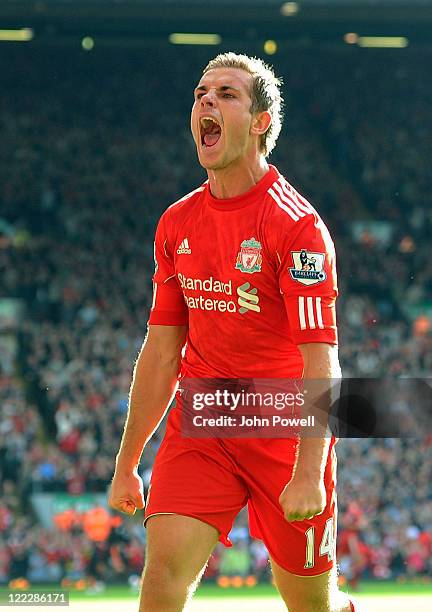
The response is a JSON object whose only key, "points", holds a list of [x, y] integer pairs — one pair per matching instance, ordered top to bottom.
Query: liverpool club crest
{"points": [[249, 258]]}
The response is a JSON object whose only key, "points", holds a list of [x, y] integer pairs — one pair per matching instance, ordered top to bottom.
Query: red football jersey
{"points": [[251, 276]]}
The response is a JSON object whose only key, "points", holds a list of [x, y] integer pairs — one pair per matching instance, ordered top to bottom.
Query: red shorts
{"points": [[212, 479]]}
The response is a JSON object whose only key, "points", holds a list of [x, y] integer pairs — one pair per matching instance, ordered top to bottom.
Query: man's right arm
{"points": [[153, 385]]}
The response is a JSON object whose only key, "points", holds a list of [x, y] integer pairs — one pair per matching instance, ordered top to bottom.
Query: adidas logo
{"points": [[184, 248]]}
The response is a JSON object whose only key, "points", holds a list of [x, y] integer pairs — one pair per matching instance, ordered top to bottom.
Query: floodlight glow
{"points": [[288, 9], [21, 35], [179, 38], [351, 38], [390, 42], [87, 43], [270, 47]]}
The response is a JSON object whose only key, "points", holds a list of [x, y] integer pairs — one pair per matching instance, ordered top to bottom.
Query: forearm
{"points": [[321, 369], [153, 386], [311, 458]]}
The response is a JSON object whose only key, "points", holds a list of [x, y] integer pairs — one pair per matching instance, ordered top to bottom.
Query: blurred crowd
{"points": [[92, 155]]}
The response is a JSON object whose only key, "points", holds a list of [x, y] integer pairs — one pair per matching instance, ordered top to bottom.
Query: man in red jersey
{"points": [[244, 287]]}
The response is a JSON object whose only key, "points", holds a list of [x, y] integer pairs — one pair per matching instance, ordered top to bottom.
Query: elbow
{"points": [[162, 349], [156, 358], [320, 360], [171, 363]]}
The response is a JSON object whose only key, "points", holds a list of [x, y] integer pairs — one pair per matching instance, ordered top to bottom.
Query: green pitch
{"points": [[366, 589], [371, 597]]}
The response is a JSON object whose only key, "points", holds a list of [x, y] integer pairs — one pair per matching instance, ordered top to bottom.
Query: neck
{"points": [[236, 179]]}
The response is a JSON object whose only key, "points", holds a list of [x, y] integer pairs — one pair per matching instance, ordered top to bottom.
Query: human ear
{"points": [[260, 123]]}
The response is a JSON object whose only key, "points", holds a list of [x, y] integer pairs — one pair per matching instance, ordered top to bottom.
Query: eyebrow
{"points": [[221, 88]]}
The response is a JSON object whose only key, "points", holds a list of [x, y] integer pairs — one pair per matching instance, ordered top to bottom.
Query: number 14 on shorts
{"points": [[327, 545]]}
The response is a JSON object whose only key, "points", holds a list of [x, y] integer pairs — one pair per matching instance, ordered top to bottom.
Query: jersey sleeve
{"points": [[306, 269], [168, 306]]}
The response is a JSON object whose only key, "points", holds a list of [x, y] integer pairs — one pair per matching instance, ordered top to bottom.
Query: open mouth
{"points": [[210, 131]]}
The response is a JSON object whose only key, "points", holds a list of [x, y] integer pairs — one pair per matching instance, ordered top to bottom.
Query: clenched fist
{"points": [[126, 492], [303, 499]]}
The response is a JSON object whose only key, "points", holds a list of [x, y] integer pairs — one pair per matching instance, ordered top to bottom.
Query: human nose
{"points": [[208, 99]]}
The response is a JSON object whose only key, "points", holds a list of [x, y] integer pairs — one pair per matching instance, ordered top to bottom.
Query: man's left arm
{"points": [[308, 283], [305, 495]]}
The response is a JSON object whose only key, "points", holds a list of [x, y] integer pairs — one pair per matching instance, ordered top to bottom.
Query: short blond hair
{"points": [[265, 93]]}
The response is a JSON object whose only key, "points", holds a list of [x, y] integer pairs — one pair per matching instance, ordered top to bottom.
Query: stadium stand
{"points": [[94, 148]]}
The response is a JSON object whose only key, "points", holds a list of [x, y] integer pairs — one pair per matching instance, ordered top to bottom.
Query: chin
{"points": [[210, 164]]}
